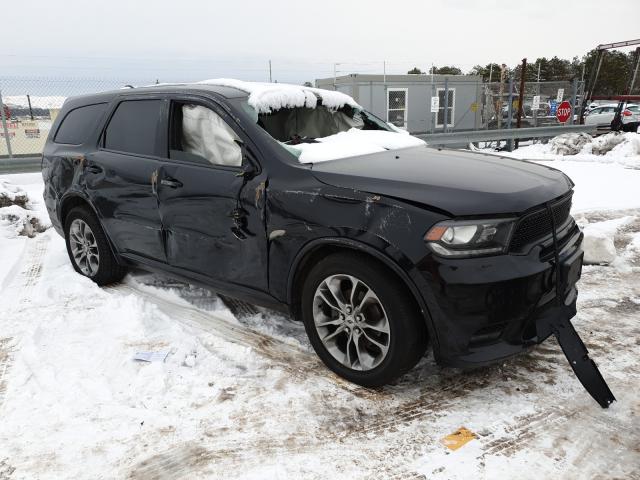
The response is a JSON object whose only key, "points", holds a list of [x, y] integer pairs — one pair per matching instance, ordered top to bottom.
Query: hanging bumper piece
{"points": [[559, 324], [578, 357]]}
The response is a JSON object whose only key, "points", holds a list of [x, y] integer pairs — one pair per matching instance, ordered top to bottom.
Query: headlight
{"points": [[466, 238]]}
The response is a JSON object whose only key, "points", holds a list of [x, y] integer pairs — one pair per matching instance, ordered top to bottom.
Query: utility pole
{"points": [[523, 72], [270, 79]]}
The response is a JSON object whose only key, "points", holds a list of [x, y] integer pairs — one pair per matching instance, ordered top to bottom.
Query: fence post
{"points": [[574, 99], [446, 103], [510, 112], [433, 118], [4, 126]]}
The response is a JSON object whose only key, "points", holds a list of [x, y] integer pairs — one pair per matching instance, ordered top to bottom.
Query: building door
{"points": [[397, 106]]}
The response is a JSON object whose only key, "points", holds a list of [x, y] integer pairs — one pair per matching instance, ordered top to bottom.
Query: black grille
{"points": [[537, 224]]}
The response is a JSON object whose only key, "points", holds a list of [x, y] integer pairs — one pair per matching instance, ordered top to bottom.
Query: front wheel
{"points": [[88, 248], [361, 320]]}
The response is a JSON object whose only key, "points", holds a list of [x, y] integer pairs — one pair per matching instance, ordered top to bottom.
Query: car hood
{"points": [[460, 183]]}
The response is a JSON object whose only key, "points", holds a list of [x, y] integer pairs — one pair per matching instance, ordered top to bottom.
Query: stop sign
{"points": [[564, 112]]}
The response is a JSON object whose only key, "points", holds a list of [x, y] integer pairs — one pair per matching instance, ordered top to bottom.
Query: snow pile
{"points": [[269, 97], [21, 101], [354, 142], [568, 143], [624, 144], [614, 147], [12, 195], [16, 215], [20, 221]]}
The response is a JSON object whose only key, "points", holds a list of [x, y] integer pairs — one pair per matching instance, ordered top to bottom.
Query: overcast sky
{"points": [[194, 39]]}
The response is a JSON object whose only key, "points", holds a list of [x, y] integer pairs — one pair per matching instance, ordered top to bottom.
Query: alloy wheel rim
{"points": [[84, 247], [351, 322]]}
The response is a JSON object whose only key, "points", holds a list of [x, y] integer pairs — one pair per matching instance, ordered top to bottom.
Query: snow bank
{"points": [[269, 97], [354, 142], [568, 143], [614, 147], [12, 195], [16, 215], [20, 221]]}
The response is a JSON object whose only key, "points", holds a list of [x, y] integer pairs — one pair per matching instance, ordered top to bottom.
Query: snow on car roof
{"points": [[269, 97]]}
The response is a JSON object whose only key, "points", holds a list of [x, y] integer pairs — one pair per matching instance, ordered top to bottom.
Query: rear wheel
{"points": [[89, 249], [361, 320]]}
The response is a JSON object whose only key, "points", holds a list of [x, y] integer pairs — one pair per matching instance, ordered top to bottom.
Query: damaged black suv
{"points": [[299, 199]]}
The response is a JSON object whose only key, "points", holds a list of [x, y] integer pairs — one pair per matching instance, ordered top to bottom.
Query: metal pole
{"points": [[503, 70], [490, 71], [635, 72], [523, 73], [270, 78], [588, 87], [574, 99], [446, 103], [30, 109], [510, 112], [535, 112], [433, 116], [4, 126]]}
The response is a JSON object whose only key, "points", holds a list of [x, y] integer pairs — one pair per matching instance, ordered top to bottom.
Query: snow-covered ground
{"points": [[241, 395]]}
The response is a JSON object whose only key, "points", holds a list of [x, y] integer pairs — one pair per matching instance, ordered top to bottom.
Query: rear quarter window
{"points": [[79, 123], [133, 128]]}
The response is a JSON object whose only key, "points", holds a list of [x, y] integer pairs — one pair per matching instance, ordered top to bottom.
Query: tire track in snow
{"points": [[19, 290], [16, 294], [6, 356], [294, 360], [527, 428]]}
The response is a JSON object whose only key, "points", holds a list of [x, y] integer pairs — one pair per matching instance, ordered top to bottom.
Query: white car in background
{"points": [[603, 114]]}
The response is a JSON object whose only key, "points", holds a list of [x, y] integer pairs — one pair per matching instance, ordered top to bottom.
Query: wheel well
{"points": [[69, 204], [310, 258]]}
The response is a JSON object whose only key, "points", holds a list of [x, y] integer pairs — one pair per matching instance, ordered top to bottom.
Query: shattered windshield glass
{"points": [[293, 126], [319, 134]]}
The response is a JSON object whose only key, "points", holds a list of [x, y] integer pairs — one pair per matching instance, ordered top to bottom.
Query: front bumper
{"points": [[487, 309]]}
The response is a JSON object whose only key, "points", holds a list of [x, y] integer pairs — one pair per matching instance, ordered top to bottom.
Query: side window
{"points": [[79, 123], [134, 127], [198, 134]]}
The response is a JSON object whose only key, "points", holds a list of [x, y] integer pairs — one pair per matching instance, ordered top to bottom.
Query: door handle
{"points": [[171, 183]]}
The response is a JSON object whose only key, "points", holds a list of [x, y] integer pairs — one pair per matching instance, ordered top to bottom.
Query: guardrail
{"points": [[473, 136], [461, 139], [20, 164]]}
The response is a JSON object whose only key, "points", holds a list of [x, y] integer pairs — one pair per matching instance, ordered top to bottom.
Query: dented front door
{"points": [[213, 222]]}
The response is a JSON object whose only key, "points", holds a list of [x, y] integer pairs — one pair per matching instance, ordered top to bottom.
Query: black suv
{"points": [[377, 253]]}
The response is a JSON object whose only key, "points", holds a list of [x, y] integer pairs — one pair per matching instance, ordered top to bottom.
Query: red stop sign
{"points": [[564, 112]]}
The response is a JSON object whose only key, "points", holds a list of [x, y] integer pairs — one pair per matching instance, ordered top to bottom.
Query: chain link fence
{"points": [[539, 103], [29, 105]]}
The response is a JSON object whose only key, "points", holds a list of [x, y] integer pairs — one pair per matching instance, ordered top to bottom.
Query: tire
{"points": [[103, 268], [390, 309]]}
